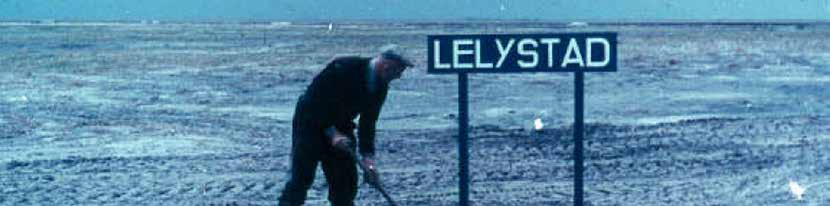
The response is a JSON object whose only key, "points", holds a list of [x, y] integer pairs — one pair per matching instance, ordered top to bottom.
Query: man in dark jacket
{"points": [[323, 130]]}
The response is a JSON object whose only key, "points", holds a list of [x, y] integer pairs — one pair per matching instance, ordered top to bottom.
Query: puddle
{"points": [[798, 79], [709, 95], [673, 119], [181, 144]]}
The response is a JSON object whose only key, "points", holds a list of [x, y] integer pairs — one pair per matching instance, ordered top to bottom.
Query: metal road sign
{"points": [[568, 52], [511, 53]]}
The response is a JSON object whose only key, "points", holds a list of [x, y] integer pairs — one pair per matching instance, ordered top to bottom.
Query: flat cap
{"points": [[390, 52]]}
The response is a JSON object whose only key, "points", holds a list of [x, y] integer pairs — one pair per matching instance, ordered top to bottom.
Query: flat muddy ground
{"points": [[199, 114]]}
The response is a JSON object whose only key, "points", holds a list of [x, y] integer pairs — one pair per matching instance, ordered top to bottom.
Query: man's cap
{"points": [[390, 52]]}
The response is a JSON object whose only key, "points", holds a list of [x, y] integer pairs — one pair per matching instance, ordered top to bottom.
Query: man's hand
{"points": [[338, 139], [342, 143], [370, 174]]}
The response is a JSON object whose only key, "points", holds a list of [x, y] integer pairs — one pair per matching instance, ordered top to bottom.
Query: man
{"points": [[323, 131]]}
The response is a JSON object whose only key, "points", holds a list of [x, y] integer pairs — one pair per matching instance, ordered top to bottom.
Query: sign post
{"points": [[512, 53], [579, 125], [463, 152]]}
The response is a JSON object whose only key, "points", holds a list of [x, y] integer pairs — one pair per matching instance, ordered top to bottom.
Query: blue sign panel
{"points": [[507, 53]]}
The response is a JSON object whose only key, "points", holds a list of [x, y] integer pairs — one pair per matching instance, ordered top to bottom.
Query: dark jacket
{"points": [[340, 93]]}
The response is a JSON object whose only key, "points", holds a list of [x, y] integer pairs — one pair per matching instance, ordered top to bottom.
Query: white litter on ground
{"points": [[578, 24], [23, 99], [537, 124], [796, 190]]}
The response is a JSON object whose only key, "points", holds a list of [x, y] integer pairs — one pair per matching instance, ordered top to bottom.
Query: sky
{"points": [[391, 10]]}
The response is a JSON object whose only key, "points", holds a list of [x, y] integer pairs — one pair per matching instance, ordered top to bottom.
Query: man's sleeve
{"points": [[330, 110], [366, 132]]}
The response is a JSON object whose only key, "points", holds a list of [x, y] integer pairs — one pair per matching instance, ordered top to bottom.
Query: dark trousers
{"points": [[309, 148]]}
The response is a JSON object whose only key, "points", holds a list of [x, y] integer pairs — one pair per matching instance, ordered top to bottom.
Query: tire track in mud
{"points": [[725, 153], [689, 161], [210, 163], [138, 179], [136, 188]]}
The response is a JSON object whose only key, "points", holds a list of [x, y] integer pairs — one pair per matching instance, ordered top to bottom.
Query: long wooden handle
{"points": [[343, 145], [376, 185]]}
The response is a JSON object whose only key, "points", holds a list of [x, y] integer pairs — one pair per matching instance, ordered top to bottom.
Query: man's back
{"points": [[339, 81], [338, 94]]}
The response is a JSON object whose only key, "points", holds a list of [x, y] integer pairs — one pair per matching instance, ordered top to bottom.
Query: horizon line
{"points": [[465, 20]]}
